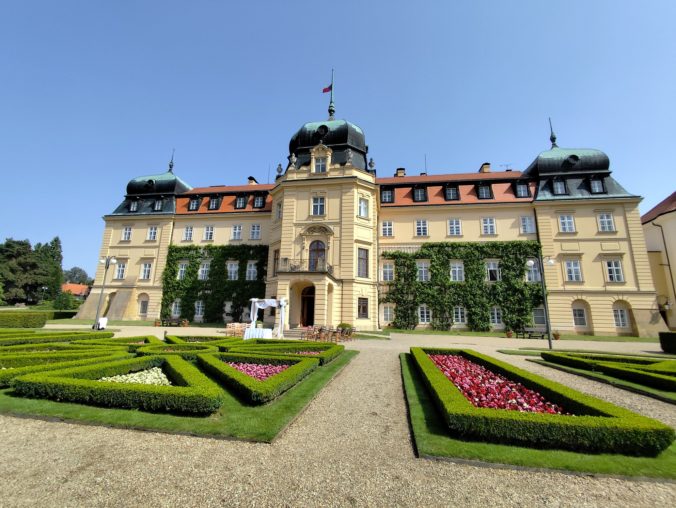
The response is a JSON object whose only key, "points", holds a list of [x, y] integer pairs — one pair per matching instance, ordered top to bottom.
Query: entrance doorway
{"points": [[307, 306]]}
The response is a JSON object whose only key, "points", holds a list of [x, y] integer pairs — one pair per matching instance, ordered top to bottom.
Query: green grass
{"points": [[90, 322], [463, 333], [609, 338], [536, 352], [234, 419], [432, 439]]}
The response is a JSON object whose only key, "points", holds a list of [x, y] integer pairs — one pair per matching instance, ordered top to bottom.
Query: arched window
{"points": [[317, 259]]}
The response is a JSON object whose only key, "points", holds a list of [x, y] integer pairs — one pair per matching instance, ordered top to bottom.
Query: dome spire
{"points": [[332, 107], [552, 136], [171, 162]]}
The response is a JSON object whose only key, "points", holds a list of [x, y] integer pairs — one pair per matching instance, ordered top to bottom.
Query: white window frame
{"points": [[321, 164], [596, 186], [559, 188], [521, 190], [484, 192], [451, 193], [419, 194], [390, 196], [259, 201], [240, 202], [214, 203], [193, 204], [158, 205], [318, 206], [133, 207], [363, 208], [279, 211], [606, 222], [566, 223], [527, 225], [488, 226], [454, 227], [386, 228], [421, 228], [236, 232], [255, 232], [152, 233], [208, 233], [126, 234], [187, 234], [493, 266], [205, 267], [232, 269], [120, 270], [251, 270], [422, 270], [573, 270], [146, 271], [457, 271], [388, 272], [614, 272], [180, 273], [533, 273], [141, 304], [176, 308], [199, 308], [388, 313], [424, 314], [459, 315], [496, 316], [539, 317], [579, 317], [621, 317]]}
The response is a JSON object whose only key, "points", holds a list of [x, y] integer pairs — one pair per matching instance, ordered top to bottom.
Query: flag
{"points": [[328, 88]]}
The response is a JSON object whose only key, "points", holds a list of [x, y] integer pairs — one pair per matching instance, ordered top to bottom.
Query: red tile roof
{"points": [[453, 177], [229, 189], [227, 204], [665, 206], [75, 289]]}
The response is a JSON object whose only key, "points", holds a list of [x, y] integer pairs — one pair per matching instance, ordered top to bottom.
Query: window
{"points": [[320, 165], [596, 186], [559, 187], [521, 190], [484, 192], [451, 193], [420, 194], [387, 196], [259, 201], [240, 202], [214, 203], [194, 204], [158, 205], [318, 205], [133, 207], [363, 207], [278, 212], [606, 222], [566, 224], [527, 225], [488, 226], [421, 227], [454, 227], [386, 228], [208, 232], [236, 232], [152, 233], [255, 233], [126, 234], [187, 234], [275, 262], [362, 263], [182, 267], [120, 270], [233, 270], [251, 270], [423, 270], [573, 270], [614, 270], [145, 271], [204, 271], [457, 271], [493, 271], [388, 272], [533, 272], [143, 307], [199, 308], [362, 308], [176, 309], [388, 313], [424, 314], [460, 315], [496, 316], [579, 317], [539, 318], [621, 320]]}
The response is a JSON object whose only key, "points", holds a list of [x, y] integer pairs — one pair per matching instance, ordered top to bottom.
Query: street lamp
{"points": [[107, 261], [550, 262]]}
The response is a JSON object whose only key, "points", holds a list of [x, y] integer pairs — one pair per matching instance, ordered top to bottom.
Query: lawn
{"points": [[432, 440]]}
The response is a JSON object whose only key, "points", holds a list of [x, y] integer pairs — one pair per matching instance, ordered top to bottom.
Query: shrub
{"points": [[66, 301], [22, 319], [36, 338], [212, 340], [668, 342], [132, 343], [46, 347], [185, 351], [327, 352], [250, 389], [191, 392], [597, 427]]}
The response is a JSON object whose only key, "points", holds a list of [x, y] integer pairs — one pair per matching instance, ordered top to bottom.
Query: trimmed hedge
{"points": [[22, 319], [37, 338], [190, 339], [668, 342], [132, 343], [46, 347], [185, 351], [326, 354], [252, 390], [191, 391], [598, 427]]}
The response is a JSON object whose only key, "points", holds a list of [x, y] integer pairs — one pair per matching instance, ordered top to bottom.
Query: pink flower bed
{"points": [[259, 371], [487, 389]]}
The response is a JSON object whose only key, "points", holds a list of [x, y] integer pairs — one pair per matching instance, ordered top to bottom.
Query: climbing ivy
{"points": [[217, 289], [515, 297]]}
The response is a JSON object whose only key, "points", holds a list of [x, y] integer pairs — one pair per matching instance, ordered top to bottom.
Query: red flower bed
{"points": [[259, 371], [487, 389]]}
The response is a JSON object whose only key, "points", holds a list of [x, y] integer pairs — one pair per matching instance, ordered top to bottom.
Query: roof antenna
{"points": [[332, 107], [552, 136], [171, 162]]}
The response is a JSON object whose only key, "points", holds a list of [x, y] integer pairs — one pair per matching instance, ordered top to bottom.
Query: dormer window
{"points": [[320, 165], [596, 186], [559, 187], [521, 190], [483, 191], [451, 193], [420, 194], [386, 196], [259, 201], [240, 202], [214, 203], [194, 204], [158, 205], [133, 206]]}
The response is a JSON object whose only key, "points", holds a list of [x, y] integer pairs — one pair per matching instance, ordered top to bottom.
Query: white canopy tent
{"points": [[264, 303]]}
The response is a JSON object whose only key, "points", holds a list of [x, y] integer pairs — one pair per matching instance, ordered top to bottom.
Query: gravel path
{"points": [[350, 447]]}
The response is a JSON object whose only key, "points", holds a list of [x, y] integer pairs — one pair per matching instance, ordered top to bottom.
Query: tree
{"points": [[50, 258], [77, 275], [2, 294], [66, 301]]}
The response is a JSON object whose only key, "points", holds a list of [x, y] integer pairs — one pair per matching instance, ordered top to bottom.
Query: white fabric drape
{"points": [[263, 303]]}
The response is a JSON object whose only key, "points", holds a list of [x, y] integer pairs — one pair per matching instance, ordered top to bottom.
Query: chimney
{"points": [[485, 167], [400, 172], [423, 173], [253, 181]]}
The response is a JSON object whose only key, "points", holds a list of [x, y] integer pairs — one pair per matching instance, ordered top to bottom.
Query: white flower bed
{"points": [[153, 376]]}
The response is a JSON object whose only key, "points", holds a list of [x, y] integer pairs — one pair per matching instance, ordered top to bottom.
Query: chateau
{"points": [[321, 237]]}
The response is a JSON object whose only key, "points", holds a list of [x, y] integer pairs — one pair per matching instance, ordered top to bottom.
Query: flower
{"points": [[259, 371]]}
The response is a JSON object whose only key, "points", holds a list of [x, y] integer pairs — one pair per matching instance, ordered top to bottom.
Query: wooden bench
{"points": [[530, 333]]}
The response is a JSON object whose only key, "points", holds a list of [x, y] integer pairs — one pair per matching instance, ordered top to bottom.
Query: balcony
{"points": [[320, 265]]}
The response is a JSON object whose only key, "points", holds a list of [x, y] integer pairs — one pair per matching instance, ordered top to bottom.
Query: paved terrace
{"points": [[351, 446]]}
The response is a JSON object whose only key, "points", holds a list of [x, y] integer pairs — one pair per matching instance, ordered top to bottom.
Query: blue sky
{"points": [[95, 93]]}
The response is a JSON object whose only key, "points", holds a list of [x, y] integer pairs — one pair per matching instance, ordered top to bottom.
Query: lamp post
{"points": [[107, 261], [549, 262]]}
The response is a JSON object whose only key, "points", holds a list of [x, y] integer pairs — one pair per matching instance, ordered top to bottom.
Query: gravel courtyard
{"points": [[351, 446]]}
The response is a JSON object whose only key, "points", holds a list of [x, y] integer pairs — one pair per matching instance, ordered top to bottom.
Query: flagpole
{"points": [[332, 108]]}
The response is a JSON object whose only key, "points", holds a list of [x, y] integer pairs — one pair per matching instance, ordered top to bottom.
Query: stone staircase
{"points": [[293, 333]]}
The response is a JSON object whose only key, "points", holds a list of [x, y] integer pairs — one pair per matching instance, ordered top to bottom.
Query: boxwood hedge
{"points": [[22, 319], [36, 338], [191, 339], [132, 343], [46, 347], [185, 351], [327, 352], [250, 389], [191, 391], [597, 427]]}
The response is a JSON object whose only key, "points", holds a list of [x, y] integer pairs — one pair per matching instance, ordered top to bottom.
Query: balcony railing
{"points": [[304, 265]]}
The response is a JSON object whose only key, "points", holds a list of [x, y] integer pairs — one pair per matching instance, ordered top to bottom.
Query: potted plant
{"points": [[158, 322], [184, 322], [259, 324], [509, 333], [556, 334]]}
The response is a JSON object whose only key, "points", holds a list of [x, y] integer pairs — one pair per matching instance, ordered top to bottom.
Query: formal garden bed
{"points": [[183, 386], [454, 398]]}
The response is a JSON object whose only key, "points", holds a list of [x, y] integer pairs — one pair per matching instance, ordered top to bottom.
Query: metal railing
{"points": [[286, 265]]}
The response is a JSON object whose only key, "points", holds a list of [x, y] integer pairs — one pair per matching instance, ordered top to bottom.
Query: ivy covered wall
{"points": [[216, 289], [512, 294]]}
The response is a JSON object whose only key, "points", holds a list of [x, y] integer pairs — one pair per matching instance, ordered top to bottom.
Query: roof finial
{"points": [[332, 107], [552, 136], [171, 162]]}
